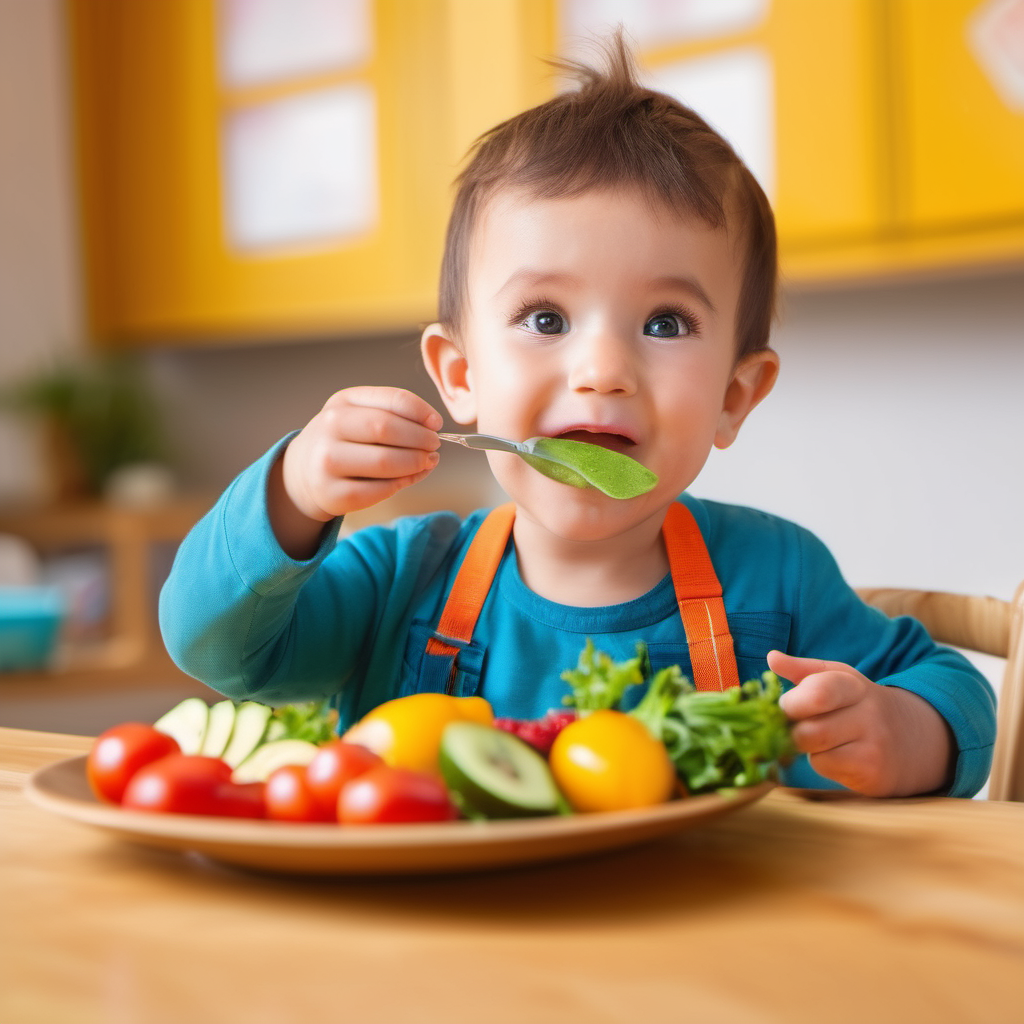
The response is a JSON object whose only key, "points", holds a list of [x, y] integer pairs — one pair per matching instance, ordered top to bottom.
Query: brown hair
{"points": [[611, 132]]}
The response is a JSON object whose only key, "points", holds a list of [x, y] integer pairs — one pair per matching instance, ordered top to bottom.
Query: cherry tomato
{"points": [[120, 752], [609, 761], [336, 763], [192, 784], [386, 795], [289, 797], [243, 800]]}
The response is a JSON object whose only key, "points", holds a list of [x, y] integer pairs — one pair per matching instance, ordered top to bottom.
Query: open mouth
{"points": [[616, 442]]}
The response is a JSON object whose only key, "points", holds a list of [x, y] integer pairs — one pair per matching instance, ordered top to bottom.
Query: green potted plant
{"points": [[99, 416]]}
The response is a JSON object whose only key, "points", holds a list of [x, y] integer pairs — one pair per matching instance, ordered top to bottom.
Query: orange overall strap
{"points": [[473, 581], [699, 595]]}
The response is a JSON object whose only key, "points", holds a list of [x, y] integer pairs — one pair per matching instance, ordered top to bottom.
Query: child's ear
{"points": [[449, 370], [752, 379]]}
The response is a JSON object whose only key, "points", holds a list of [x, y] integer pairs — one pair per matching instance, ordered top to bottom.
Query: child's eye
{"points": [[544, 321], [667, 325]]}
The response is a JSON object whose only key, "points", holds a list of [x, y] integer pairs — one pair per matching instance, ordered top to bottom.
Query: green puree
{"points": [[589, 465]]}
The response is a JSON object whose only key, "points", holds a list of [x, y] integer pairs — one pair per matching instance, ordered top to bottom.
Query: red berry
{"points": [[540, 733]]}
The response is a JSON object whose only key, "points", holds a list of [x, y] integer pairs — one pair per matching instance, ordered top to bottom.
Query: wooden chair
{"points": [[988, 626]]}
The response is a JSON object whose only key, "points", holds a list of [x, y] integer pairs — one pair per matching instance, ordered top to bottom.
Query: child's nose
{"points": [[603, 362]]}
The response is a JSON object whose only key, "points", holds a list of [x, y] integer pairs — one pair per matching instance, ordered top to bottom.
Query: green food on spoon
{"points": [[575, 463], [589, 465]]}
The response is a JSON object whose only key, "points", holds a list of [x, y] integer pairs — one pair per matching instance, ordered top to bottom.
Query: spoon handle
{"points": [[485, 442]]}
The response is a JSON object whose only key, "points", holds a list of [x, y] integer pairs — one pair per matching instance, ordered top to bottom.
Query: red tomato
{"points": [[120, 752], [335, 764], [192, 784], [386, 795], [289, 797], [243, 799]]}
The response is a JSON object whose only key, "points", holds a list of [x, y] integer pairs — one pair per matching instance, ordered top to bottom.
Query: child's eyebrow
{"points": [[536, 279], [686, 284]]}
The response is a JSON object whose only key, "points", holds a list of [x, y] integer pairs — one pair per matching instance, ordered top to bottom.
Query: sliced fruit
{"points": [[251, 721], [186, 722], [219, 727], [406, 732], [265, 760], [493, 774]]}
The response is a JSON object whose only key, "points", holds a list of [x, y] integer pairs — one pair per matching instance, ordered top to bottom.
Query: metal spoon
{"points": [[488, 443], [571, 462]]}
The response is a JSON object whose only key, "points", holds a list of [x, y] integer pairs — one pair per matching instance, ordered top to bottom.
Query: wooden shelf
{"points": [[131, 652]]}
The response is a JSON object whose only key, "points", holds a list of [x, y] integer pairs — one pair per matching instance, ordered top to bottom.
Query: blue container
{"points": [[30, 619]]}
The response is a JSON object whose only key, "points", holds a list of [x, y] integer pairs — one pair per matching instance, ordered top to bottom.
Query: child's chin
{"points": [[581, 514]]}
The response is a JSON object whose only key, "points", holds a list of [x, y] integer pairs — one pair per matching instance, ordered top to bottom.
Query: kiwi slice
{"points": [[493, 774]]}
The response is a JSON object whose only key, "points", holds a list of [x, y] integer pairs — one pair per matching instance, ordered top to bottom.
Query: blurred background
{"points": [[216, 213]]}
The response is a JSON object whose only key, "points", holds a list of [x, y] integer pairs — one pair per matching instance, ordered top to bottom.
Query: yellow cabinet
{"points": [[814, 99], [960, 127], [881, 129], [948, 149], [174, 255]]}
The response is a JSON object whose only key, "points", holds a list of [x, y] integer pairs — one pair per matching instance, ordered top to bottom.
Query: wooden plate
{"points": [[326, 849]]}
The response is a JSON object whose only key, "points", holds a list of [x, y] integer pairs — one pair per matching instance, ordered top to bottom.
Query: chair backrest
{"points": [[989, 626]]}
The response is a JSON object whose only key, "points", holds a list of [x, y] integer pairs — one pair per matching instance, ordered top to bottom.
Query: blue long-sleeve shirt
{"points": [[351, 623]]}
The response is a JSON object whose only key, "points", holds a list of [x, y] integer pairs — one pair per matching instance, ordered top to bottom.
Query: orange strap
{"points": [[473, 581], [698, 594]]}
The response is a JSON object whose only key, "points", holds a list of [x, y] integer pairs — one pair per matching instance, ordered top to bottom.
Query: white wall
{"points": [[40, 308], [896, 432]]}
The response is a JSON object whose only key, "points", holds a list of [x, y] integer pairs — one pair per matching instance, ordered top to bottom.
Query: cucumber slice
{"points": [[251, 721], [186, 722], [219, 728], [265, 760], [493, 774]]}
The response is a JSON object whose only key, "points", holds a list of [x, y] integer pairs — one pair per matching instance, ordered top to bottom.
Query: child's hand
{"points": [[364, 445], [876, 740]]}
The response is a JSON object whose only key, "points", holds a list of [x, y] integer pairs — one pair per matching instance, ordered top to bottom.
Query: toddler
{"points": [[609, 276]]}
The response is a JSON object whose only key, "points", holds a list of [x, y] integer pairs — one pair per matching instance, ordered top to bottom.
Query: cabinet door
{"points": [[791, 83], [960, 103], [157, 121], [828, 148], [176, 248]]}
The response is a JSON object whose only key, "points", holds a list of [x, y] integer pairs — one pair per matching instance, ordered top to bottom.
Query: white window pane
{"points": [[657, 22], [996, 33], [266, 40], [734, 92], [301, 169]]}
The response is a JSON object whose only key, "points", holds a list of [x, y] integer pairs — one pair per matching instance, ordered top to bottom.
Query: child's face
{"points": [[602, 319]]}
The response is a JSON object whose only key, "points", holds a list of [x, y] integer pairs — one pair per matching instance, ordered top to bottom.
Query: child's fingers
{"points": [[403, 404], [344, 421], [350, 460], [360, 494], [795, 669], [823, 686], [822, 693], [830, 731], [853, 765]]}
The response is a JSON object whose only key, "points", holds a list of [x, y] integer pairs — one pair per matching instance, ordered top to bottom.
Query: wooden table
{"points": [[788, 911]]}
